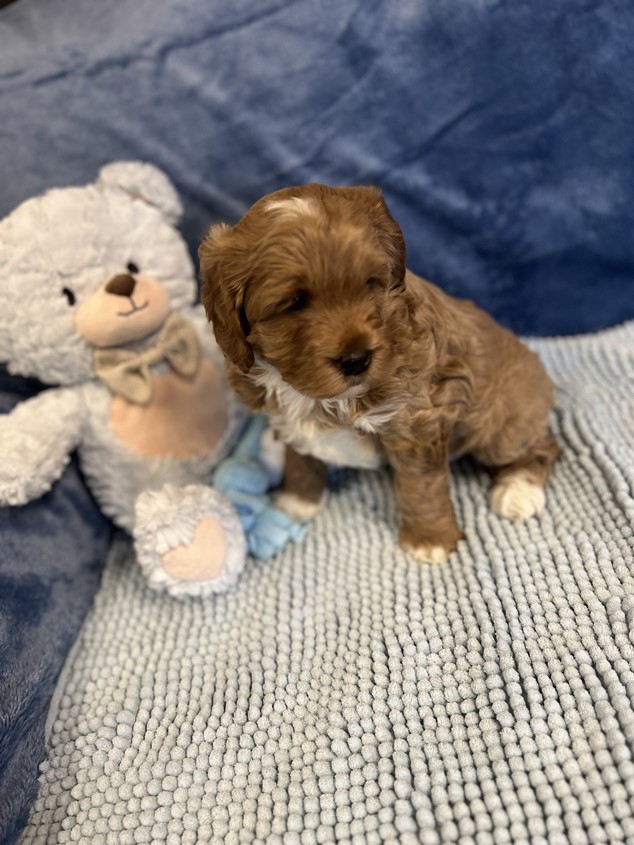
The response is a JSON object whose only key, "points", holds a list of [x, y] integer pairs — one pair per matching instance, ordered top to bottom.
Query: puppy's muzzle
{"points": [[354, 363]]}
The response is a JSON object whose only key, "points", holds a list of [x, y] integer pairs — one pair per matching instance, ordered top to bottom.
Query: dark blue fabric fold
{"points": [[51, 556]]}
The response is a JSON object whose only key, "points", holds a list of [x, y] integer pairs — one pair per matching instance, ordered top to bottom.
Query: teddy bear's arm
{"points": [[36, 440]]}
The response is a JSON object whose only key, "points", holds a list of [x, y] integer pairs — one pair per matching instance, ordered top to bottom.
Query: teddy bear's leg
{"points": [[189, 540]]}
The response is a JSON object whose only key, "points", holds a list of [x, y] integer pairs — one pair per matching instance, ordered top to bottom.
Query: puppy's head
{"points": [[311, 281]]}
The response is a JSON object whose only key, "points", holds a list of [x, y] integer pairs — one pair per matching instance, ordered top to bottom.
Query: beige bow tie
{"points": [[127, 372]]}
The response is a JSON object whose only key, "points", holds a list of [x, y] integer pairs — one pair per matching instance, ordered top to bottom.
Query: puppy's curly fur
{"points": [[349, 353]]}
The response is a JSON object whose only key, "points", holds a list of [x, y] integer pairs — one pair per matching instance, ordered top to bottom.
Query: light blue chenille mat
{"points": [[344, 693]]}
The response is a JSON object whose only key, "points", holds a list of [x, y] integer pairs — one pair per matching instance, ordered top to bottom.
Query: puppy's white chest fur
{"points": [[296, 420], [337, 446]]}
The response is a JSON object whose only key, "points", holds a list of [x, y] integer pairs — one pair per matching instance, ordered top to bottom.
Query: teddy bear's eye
{"points": [[132, 267], [70, 296]]}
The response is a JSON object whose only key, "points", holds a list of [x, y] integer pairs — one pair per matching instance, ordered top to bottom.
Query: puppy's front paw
{"points": [[518, 498], [297, 507], [431, 549], [427, 553]]}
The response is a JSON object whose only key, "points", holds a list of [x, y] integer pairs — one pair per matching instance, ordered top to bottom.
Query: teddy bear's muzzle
{"points": [[126, 309]]}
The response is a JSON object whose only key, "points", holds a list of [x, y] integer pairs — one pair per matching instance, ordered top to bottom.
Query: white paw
{"points": [[516, 497], [298, 508], [428, 553]]}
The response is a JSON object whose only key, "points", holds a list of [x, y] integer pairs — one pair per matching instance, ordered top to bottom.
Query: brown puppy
{"points": [[359, 362]]}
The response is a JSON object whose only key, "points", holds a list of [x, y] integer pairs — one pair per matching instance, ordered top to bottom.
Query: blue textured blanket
{"points": [[500, 132], [51, 556], [346, 694]]}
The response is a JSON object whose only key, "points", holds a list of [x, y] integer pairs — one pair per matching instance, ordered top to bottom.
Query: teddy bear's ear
{"points": [[145, 182]]}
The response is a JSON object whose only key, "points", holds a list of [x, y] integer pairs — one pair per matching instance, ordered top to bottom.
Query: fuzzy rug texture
{"points": [[344, 693]]}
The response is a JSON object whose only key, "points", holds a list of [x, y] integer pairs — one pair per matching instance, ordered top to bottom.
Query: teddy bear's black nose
{"points": [[121, 285]]}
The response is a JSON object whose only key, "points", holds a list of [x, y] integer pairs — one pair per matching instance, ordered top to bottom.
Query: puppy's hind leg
{"points": [[518, 490]]}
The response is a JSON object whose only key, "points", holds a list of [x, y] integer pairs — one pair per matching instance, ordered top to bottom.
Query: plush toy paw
{"points": [[246, 478], [269, 530], [189, 540]]}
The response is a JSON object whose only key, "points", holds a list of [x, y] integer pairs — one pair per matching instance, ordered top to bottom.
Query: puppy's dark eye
{"points": [[132, 268], [374, 283], [70, 296], [298, 302]]}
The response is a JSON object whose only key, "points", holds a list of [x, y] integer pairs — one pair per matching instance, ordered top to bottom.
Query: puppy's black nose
{"points": [[121, 285], [355, 363]]}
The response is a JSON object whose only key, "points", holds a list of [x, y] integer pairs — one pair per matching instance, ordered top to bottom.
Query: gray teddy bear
{"points": [[97, 293]]}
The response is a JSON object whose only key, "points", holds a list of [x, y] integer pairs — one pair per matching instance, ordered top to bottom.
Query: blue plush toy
{"points": [[245, 479]]}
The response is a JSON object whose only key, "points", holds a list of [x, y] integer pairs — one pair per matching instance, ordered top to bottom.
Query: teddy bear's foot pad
{"points": [[202, 559]]}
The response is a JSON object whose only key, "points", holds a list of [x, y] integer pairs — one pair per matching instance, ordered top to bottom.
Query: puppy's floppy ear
{"points": [[387, 230], [223, 272]]}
